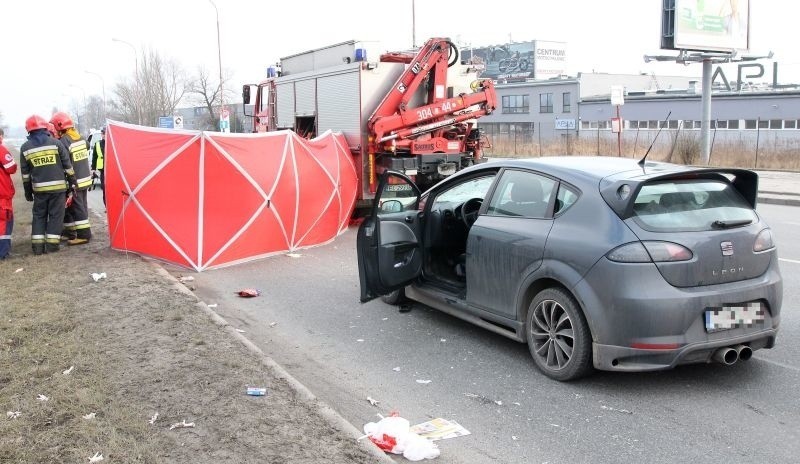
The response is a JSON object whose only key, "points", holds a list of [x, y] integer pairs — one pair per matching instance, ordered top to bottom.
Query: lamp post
{"points": [[219, 57], [136, 80], [103, 83]]}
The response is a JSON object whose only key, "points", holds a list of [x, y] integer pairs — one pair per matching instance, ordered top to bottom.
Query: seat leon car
{"points": [[594, 262]]}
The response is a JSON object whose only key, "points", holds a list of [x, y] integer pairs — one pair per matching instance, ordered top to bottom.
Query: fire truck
{"points": [[413, 112]]}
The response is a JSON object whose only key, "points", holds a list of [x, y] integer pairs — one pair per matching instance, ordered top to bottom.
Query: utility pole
{"points": [[413, 24], [219, 57], [136, 79]]}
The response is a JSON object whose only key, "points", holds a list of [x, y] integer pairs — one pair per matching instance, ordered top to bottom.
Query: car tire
{"points": [[395, 298], [558, 336]]}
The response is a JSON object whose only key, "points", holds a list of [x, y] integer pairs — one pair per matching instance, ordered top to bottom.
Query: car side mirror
{"points": [[246, 94], [391, 206]]}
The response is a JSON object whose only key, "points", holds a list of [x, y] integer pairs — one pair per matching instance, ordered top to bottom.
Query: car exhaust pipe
{"points": [[744, 352], [727, 356]]}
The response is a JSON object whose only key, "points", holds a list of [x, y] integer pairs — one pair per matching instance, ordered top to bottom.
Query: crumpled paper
{"points": [[98, 276], [13, 414], [181, 425], [96, 458]]}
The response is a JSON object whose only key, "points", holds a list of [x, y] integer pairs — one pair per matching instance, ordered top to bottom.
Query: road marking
{"points": [[794, 261], [779, 364]]}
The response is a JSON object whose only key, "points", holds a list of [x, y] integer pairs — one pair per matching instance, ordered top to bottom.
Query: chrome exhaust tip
{"points": [[744, 352], [727, 356]]}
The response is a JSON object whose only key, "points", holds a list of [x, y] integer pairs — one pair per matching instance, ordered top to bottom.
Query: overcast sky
{"points": [[48, 46]]}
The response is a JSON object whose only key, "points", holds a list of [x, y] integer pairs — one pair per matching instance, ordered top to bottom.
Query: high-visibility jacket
{"points": [[79, 155], [98, 160], [44, 162], [7, 167]]}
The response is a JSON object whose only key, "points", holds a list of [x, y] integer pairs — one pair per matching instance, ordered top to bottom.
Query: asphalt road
{"points": [[309, 320]]}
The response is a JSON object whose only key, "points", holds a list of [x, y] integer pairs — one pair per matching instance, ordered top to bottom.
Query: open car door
{"points": [[388, 243]]}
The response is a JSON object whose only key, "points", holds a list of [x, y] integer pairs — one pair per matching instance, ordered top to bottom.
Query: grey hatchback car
{"points": [[594, 262]]}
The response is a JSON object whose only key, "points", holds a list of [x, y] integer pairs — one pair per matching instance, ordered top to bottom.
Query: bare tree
{"points": [[155, 90], [205, 93]]}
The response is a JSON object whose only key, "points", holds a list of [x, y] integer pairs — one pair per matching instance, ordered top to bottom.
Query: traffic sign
{"points": [[166, 122], [177, 122]]}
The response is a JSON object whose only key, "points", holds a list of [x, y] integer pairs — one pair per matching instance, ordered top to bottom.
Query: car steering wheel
{"points": [[469, 211]]}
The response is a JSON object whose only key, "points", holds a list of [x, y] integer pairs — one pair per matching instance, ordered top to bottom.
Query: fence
{"points": [[756, 148]]}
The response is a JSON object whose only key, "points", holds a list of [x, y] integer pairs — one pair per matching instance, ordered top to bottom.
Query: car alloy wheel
{"points": [[558, 336]]}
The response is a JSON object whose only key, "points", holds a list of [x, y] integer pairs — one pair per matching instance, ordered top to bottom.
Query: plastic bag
{"points": [[248, 292], [393, 435]]}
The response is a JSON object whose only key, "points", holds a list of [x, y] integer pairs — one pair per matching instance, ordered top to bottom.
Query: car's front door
{"points": [[507, 241], [388, 243]]}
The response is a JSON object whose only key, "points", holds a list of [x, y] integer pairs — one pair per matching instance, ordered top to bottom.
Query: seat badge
{"points": [[727, 248]]}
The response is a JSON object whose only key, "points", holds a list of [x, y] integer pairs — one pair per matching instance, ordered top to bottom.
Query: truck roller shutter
{"points": [[306, 95], [285, 105], [339, 105]]}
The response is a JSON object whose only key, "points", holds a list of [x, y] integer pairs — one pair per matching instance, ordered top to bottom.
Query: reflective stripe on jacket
{"points": [[79, 155], [44, 165]]}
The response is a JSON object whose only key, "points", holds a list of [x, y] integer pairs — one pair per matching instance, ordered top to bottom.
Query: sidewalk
{"points": [[779, 188]]}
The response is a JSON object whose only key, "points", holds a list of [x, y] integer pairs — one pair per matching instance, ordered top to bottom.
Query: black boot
{"points": [[52, 247], [38, 248]]}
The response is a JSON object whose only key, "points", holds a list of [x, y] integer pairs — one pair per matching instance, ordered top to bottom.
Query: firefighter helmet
{"points": [[62, 121], [35, 122]]}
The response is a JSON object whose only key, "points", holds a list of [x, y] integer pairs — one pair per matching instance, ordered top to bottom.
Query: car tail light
{"points": [[764, 241], [646, 252]]}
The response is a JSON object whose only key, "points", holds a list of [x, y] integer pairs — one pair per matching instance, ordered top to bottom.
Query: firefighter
{"points": [[51, 129], [98, 161], [44, 163], [6, 197], [77, 229]]}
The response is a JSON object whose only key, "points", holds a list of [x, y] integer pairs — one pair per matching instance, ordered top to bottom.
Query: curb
{"points": [[779, 201], [325, 411]]}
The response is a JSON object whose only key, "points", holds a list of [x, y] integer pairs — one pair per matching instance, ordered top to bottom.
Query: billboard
{"points": [[706, 25], [519, 60]]}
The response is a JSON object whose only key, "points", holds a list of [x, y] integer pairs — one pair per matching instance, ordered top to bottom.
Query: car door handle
{"points": [[409, 219]]}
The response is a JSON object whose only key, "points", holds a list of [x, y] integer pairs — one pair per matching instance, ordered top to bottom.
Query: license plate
{"points": [[397, 187], [734, 316]]}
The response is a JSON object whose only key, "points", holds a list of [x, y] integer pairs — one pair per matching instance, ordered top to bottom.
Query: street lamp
{"points": [[219, 56], [136, 80], [103, 82]]}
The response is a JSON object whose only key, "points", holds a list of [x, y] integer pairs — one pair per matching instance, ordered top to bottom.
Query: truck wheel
{"points": [[395, 298], [558, 336]]}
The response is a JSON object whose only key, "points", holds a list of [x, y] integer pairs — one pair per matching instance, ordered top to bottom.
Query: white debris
{"points": [[293, 255], [20, 269], [98, 276], [186, 279], [213, 305], [385, 319], [273, 324], [240, 331], [360, 340], [442, 340], [396, 369], [68, 371], [424, 382], [42, 398], [372, 401], [498, 402], [517, 404], [609, 408], [13, 414], [90, 416], [153, 419], [181, 425], [554, 425], [514, 437], [96, 458]]}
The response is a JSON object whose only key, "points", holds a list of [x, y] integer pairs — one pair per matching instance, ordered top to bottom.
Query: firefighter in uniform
{"points": [[44, 163], [7, 167], [77, 229]]}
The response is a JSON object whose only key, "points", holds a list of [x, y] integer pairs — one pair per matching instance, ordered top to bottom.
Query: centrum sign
{"points": [[551, 59]]}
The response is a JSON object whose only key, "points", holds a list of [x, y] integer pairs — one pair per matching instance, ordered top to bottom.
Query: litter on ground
{"points": [[293, 255], [20, 269], [98, 276], [186, 279], [248, 292], [213, 305], [273, 324], [240, 331], [396, 369], [68, 371], [424, 382], [256, 391], [42, 398], [372, 401], [609, 408], [13, 414], [90, 416], [153, 419], [181, 425], [439, 429], [393, 435], [96, 458]]}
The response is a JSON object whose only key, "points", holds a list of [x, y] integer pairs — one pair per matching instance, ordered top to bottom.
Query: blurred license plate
{"points": [[397, 187], [734, 317]]}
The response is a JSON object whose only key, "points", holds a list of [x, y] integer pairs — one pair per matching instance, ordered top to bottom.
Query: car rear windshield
{"points": [[690, 205]]}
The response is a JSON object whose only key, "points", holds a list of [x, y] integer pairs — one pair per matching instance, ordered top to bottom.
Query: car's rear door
{"points": [[388, 242]]}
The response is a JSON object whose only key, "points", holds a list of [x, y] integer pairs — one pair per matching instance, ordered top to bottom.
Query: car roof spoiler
{"points": [[621, 199]]}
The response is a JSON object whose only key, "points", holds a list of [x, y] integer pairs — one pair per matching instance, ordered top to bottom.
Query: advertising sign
{"points": [[712, 25], [551, 59], [512, 61], [166, 122], [565, 124]]}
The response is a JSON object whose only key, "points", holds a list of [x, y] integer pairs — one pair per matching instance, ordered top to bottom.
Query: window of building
{"points": [[545, 102], [566, 102], [515, 104], [733, 123], [750, 123], [776, 123], [585, 124], [604, 124], [632, 124], [642, 124], [653, 124], [672, 124], [722, 124], [763, 124], [790, 124], [502, 128]]}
